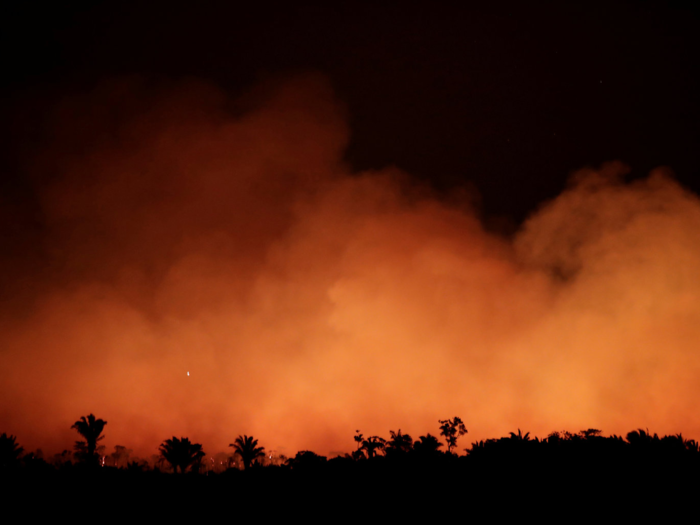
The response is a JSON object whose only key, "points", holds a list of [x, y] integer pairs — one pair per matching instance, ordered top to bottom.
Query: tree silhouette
{"points": [[90, 428], [451, 429], [590, 433], [359, 438], [642, 439], [399, 443], [372, 444], [427, 445], [480, 448], [248, 449], [9, 451], [181, 453], [359, 453], [120, 457], [307, 461]]}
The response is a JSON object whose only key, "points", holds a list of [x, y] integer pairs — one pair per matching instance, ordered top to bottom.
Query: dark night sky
{"points": [[509, 98]]}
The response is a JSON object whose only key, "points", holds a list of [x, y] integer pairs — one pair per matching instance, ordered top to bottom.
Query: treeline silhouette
{"points": [[179, 455], [564, 465]]}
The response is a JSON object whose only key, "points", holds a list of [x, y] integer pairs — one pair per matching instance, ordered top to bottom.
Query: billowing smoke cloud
{"points": [[184, 232]]}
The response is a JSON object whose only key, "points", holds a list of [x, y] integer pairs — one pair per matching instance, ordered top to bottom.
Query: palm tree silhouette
{"points": [[90, 428], [399, 443], [372, 444], [248, 449], [181, 453]]}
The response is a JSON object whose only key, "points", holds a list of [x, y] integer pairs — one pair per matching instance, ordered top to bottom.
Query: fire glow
{"points": [[315, 301]]}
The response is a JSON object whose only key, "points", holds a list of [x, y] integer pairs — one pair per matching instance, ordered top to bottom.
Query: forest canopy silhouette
{"points": [[205, 267], [586, 453]]}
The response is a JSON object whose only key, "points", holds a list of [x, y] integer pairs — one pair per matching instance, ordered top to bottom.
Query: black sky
{"points": [[507, 99]]}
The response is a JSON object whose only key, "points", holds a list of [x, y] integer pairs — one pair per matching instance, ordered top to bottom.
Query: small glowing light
{"points": [[188, 373]]}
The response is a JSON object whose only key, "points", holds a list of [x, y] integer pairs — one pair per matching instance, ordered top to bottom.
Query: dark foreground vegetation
{"points": [[584, 472]]}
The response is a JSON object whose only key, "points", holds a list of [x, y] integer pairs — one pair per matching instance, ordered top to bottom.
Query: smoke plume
{"points": [[207, 268]]}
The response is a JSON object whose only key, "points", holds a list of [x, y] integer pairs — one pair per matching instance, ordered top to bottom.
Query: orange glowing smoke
{"points": [[188, 233]]}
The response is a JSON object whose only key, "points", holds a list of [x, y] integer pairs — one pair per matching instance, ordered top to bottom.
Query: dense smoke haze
{"points": [[177, 232]]}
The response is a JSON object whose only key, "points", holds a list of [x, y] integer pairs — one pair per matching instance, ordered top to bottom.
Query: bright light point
{"points": [[188, 373]]}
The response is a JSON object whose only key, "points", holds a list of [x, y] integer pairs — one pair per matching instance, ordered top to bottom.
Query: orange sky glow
{"points": [[227, 238]]}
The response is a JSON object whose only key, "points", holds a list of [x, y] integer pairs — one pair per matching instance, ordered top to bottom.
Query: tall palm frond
{"points": [[91, 429], [248, 449]]}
